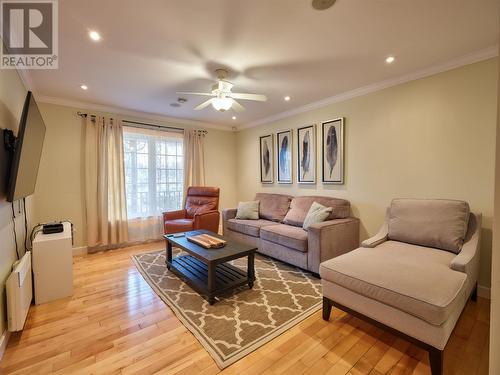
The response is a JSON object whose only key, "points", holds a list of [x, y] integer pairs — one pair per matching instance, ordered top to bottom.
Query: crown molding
{"points": [[471, 58], [126, 112]]}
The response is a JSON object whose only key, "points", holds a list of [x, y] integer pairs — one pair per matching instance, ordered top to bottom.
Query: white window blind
{"points": [[154, 176]]}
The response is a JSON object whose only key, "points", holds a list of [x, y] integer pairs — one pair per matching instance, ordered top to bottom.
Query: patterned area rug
{"points": [[244, 320]]}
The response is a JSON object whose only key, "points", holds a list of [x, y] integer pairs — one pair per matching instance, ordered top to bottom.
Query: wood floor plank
{"points": [[115, 324]]}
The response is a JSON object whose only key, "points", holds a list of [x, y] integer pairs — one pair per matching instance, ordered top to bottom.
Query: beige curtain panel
{"points": [[194, 158], [105, 200]]}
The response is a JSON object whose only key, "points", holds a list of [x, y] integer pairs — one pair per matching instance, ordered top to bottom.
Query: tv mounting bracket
{"points": [[9, 140]]}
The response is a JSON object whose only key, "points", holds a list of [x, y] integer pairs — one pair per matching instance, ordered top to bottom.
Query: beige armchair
{"points": [[414, 276]]}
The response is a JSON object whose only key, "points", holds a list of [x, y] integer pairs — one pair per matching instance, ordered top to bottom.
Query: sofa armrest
{"points": [[227, 214], [174, 215], [208, 220], [381, 236], [330, 239], [377, 239], [467, 260]]}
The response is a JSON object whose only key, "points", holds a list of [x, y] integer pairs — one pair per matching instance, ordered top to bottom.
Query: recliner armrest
{"points": [[206, 214], [174, 215], [207, 220], [467, 260]]}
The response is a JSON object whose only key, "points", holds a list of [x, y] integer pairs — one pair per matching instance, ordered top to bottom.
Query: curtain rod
{"points": [[83, 114], [138, 124]]}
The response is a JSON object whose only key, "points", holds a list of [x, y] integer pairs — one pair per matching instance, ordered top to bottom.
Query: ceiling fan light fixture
{"points": [[322, 4], [222, 104]]}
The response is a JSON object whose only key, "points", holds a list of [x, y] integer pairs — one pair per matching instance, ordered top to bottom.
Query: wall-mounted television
{"points": [[27, 152]]}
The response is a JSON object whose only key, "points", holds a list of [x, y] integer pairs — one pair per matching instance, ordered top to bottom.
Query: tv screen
{"points": [[27, 152]]}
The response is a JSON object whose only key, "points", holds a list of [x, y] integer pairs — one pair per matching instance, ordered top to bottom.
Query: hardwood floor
{"points": [[115, 324]]}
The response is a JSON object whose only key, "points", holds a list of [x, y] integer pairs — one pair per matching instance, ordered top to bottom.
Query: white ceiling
{"points": [[151, 49]]}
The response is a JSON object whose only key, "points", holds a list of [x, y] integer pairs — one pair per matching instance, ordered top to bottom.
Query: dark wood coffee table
{"points": [[207, 270]]}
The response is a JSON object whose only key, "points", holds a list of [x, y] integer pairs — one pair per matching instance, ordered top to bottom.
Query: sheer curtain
{"points": [[154, 175], [104, 183]]}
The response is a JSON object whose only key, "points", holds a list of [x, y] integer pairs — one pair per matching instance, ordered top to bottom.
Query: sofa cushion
{"points": [[273, 206], [299, 207], [429, 222], [248, 227], [285, 235], [414, 279]]}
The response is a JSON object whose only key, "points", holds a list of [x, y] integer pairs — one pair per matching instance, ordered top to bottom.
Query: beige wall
{"points": [[12, 95], [433, 137], [60, 181], [495, 264]]}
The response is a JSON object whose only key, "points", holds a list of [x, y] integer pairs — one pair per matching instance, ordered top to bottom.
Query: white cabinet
{"points": [[53, 265]]}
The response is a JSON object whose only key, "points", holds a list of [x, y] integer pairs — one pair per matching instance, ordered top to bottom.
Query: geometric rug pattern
{"points": [[242, 320]]}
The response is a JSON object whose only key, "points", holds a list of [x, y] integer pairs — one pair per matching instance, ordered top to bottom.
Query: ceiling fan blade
{"points": [[194, 93], [258, 97], [205, 104], [237, 106]]}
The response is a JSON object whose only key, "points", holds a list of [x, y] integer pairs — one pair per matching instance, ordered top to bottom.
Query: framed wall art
{"points": [[284, 147], [332, 151], [306, 155], [266, 159]]}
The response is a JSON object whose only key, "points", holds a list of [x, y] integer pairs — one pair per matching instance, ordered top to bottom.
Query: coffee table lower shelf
{"points": [[195, 273]]}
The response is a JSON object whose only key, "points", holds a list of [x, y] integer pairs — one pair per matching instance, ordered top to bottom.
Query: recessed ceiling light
{"points": [[94, 35], [390, 59], [84, 87], [287, 98], [234, 117]]}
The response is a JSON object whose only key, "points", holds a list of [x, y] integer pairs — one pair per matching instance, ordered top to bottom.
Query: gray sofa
{"points": [[278, 231], [414, 277]]}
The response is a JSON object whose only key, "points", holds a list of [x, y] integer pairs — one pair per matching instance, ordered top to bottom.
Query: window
{"points": [[154, 176]]}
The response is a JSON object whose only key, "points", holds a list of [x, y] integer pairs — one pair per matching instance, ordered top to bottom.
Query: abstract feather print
{"points": [[284, 141], [331, 148], [306, 154], [284, 155], [266, 158]]}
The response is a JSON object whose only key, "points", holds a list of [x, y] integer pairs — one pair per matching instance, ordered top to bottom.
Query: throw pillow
{"points": [[248, 210], [316, 214]]}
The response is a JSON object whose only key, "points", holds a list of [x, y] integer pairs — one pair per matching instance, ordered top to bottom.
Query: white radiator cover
{"points": [[19, 293]]}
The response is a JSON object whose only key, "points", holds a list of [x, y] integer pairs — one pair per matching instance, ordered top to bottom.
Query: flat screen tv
{"points": [[27, 152]]}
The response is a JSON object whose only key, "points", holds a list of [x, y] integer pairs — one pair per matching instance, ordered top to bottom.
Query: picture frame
{"points": [[266, 144], [284, 147], [306, 154], [332, 155]]}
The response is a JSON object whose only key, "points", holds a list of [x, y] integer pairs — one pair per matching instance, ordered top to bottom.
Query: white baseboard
{"points": [[82, 250], [484, 291], [4, 339]]}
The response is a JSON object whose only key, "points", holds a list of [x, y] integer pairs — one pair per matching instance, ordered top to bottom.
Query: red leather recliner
{"points": [[201, 211]]}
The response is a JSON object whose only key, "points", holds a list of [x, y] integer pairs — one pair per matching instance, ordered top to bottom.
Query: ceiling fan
{"points": [[222, 97]]}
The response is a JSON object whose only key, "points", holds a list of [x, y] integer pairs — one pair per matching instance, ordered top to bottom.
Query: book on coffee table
{"points": [[207, 241]]}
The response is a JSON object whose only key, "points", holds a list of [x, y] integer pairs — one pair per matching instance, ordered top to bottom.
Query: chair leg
{"points": [[474, 294], [327, 309], [436, 360]]}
